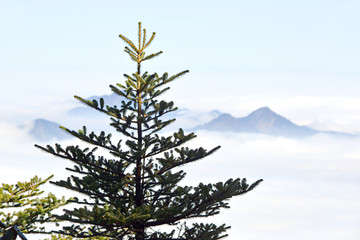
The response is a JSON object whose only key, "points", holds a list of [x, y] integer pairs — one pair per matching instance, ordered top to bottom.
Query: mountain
{"points": [[263, 120], [45, 130]]}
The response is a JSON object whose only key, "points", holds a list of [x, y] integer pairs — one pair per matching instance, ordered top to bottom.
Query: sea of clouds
{"points": [[311, 187]]}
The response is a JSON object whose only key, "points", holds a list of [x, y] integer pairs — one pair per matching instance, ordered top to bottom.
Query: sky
{"points": [[54, 49], [242, 55], [300, 58]]}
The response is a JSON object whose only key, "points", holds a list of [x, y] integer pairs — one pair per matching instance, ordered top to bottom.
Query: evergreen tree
{"points": [[134, 190], [22, 207], [62, 237]]}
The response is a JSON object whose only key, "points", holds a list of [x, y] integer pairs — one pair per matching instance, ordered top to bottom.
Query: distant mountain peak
{"points": [[263, 111], [262, 120], [45, 130]]}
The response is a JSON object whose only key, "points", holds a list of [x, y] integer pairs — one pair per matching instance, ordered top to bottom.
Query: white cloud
{"points": [[20, 160], [311, 187]]}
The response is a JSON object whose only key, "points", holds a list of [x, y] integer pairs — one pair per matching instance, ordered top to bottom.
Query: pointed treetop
{"points": [[137, 52]]}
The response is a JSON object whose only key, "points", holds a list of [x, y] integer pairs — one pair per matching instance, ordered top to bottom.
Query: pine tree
{"points": [[134, 190], [22, 207], [62, 237]]}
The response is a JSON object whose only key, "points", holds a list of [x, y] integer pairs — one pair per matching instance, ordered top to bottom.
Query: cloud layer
{"points": [[310, 189]]}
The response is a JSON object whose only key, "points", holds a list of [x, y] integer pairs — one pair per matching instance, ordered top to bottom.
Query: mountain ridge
{"points": [[262, 120], [45, 130]]}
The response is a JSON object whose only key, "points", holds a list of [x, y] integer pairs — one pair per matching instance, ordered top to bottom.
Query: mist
{"points": [[311, 185]]}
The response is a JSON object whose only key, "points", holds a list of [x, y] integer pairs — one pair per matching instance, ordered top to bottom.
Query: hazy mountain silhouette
{"points": [[263, 120], [45, 130]]}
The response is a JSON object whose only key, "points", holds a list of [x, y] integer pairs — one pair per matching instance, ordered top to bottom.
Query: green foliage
{"points": [[135, 189], [21, 205], [63, 237]]}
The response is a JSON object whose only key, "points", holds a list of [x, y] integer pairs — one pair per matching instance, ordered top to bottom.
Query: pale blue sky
{"points": [[55, 49]]}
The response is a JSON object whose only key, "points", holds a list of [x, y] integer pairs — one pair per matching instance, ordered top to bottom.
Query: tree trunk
{"points": [[140, 232]]}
